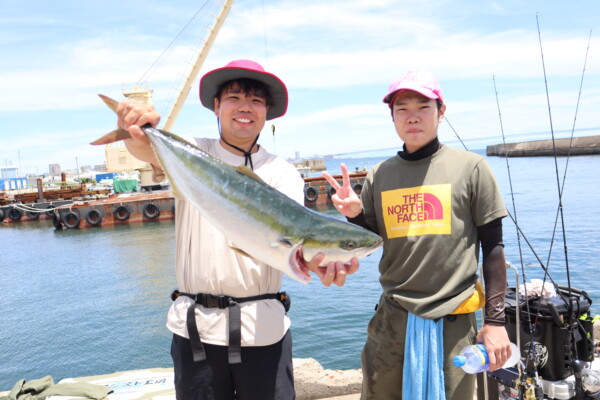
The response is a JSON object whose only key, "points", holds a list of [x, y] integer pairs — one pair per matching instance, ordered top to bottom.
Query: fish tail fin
{"points": [[111, 103], [117, 134], [111, 137]]}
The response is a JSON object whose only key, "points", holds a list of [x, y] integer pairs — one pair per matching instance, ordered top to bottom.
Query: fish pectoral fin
{"points": [[111, 137], [248, 172], [283, 242], [240, 251]]}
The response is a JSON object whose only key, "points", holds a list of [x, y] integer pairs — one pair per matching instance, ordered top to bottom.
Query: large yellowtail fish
{"points": [[259, 220]]}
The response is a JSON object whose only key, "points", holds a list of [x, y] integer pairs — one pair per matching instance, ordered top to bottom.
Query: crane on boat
{"points": [[118, 159]]}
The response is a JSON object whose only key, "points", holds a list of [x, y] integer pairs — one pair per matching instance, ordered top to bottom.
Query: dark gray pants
{"points": [[265, 373]]}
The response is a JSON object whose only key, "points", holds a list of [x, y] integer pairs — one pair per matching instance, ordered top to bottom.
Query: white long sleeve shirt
{"points": [[205, 263]]}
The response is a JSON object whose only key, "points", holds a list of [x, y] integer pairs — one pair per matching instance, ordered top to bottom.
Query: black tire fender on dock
{"points": [[357, 188], [331, 191], [310, 193], [151, 211], [50, 212], [14, 213], [121, 213], [1, 215], [32, 215], [93, 217], [71, 220], [56, 222]]}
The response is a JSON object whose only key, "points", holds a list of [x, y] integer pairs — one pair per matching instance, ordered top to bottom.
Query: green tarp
{"points": [[124, 185]]}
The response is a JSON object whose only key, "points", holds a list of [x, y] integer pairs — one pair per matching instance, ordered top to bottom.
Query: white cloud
{"points": [[336, 57]]}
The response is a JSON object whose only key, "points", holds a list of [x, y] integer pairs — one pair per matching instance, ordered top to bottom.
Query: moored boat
{"points": [[318, 191], [116, 210], [20, 212]]}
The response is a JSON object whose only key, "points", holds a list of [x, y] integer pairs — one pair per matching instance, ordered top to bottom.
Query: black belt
{"points": [[235, 323]]}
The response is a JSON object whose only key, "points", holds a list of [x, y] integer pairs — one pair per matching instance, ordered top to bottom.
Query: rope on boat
{"points": [[25, 207]]}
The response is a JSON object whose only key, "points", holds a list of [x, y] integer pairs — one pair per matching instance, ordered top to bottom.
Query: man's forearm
{"points": [[142, 152], [494, 276]]}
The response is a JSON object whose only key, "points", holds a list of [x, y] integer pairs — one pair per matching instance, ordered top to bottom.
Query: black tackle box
{"points": [[561, 333]]}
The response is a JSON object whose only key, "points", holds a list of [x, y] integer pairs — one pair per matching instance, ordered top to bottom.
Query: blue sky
{"points": [[337, 58]]}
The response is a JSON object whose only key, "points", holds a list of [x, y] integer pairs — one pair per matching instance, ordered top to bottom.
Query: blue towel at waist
{"points": [[423, 376]]}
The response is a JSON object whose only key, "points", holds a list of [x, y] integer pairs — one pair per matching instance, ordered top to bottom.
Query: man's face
{"points": [[242, 115], [416, 119]]}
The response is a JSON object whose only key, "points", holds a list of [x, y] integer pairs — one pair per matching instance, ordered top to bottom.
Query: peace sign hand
{"points": [[345, 199]]}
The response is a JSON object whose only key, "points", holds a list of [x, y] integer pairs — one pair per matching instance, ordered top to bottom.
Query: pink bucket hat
{"points": [[239, 69], [418, 81]]}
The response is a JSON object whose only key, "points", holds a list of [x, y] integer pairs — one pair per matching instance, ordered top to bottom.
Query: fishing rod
{"points": [[160, 60], [455, 133], [561, 191], [512, 194], [560, 205], [514, 219], [519, 230], [524, 277], [574, 323], [523, 385], [527, 388]]}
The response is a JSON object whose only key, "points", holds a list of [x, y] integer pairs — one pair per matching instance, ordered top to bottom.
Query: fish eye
{"points": [[350, 245]]}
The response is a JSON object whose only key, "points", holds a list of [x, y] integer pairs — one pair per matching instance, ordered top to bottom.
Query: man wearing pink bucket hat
{"points": [[434, 206], [244, 350]]}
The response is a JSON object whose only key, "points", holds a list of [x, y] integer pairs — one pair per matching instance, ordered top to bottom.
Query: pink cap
{"points": [[418, 81]]}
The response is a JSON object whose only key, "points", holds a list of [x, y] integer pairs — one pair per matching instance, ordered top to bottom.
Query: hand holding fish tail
{"points": [[132, 115], [345, 199], [334, 272]]}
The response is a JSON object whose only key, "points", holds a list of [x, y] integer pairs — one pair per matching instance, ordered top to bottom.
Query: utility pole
{"points": [[19, 154], [77, 163]]}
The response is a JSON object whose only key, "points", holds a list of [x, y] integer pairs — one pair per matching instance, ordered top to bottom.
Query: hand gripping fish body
{"points": [[259, 220]]}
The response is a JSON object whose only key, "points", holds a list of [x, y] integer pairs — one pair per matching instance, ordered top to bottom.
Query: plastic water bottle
{"points": [[474, 358], [591, 380]]}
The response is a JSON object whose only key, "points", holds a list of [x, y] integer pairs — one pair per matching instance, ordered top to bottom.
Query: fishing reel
{"points": [[532, 391]]}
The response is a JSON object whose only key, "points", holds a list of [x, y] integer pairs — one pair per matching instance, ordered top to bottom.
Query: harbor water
{"points": [[94, 301]]}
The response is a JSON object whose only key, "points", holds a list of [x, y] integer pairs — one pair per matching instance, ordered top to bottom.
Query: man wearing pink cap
{"points": [[434, 206], [231, 335]]}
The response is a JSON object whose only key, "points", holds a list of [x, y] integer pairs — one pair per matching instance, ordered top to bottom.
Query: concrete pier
{"points": [[586, 145]]}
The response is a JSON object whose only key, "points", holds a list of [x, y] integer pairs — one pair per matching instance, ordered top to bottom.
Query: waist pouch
{"points": [[473, 302]]}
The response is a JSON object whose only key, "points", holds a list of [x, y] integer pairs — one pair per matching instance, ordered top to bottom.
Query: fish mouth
{"points": [[374, 247], [298, 264]]}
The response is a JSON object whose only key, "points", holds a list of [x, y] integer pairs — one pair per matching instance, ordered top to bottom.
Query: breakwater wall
{"points": [[586, 145]]}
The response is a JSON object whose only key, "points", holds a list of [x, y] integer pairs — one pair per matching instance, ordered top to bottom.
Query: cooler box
{"points": [[554, 332]]}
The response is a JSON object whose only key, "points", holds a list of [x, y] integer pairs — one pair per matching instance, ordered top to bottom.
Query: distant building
{"points": [[119, 159], [312, 165], [100, 167], [54, 169], [8, 172], [9, 179]]}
